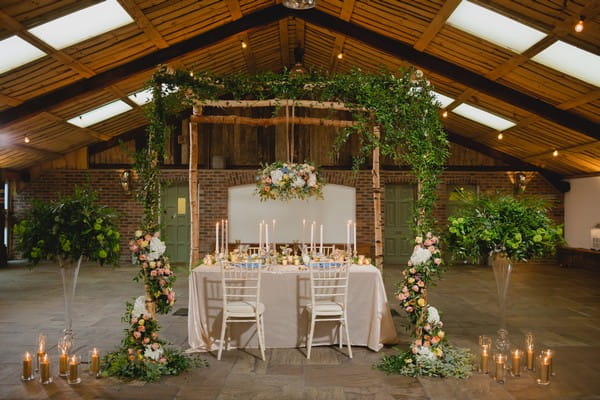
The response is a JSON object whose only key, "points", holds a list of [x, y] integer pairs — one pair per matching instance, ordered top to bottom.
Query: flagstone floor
{"points": [[562, 307]]}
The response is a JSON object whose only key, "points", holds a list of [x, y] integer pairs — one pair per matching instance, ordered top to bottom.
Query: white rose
{"points": [[138, 233]]}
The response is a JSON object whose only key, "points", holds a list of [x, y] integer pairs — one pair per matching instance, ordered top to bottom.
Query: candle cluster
{"points": [[519, 360], [68, 365]]}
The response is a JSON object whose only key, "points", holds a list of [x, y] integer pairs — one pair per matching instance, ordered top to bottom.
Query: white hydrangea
{"points": [[276, 176], [298, 182], [157, 248], [420, 255], [139, 307], [433, 316], [426, 353], [153, 354]]}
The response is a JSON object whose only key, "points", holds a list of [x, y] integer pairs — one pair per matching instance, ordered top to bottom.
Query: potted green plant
{"points": [[507, 229], [69, 230]]}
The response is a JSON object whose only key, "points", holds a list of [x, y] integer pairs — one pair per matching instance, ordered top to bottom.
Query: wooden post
{"points": [[193, 185], [377, 204]]}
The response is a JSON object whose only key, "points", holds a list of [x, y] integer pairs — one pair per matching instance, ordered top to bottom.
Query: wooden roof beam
{"points": [[234, 9], [144, 23], [436, 24], [284, 43], [338, 44], [459, 74], [9, 100], [90, 132], [579, 147], [28, 148]]}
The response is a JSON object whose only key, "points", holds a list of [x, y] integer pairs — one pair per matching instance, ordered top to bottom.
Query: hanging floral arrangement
{"points": [[286, 181]]}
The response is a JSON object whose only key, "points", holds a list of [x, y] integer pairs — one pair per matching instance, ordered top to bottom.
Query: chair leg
{"points": [[223, 328], [340, 334], [310, 335], [347, 336], [261, 339]]}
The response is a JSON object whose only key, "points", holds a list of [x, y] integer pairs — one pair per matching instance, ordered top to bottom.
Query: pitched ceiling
{"points": [[552, 110]]}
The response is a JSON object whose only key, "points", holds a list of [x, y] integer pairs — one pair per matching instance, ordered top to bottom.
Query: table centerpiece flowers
{"points": [[286, 181]]}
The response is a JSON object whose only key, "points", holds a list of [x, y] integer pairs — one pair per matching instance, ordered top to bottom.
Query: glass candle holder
{"points": [[485, 340], [41, 350], [550, 354], [516, 357], [94, 362], [500, 363], [63, 364], [484, 366], [543, 369], [27, 373], [45, 376], [73, 378]]}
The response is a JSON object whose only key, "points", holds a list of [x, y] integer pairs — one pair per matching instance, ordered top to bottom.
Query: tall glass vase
{"points": [[502, 267], [69, 270]]}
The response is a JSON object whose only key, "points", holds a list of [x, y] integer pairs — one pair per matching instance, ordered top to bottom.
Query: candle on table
{"points": [[303, 232], [222, 235], [273, 236], [312, 236], [348, 236], [260, 237], [267, 237], [217, 239], [355, 239], [226, 241], [321, 241], [529, 342], [41, 350], [550, 354], [485, 358], [63, 362], [95, 362], [500, 362], [516, 362], [27, 368], [45, 370], [544, 375], [73, 377]]}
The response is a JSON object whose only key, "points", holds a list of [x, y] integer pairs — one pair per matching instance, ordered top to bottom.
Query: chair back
{"points": [[253, 250], [327, 250], [240, 281], [328, 281]]}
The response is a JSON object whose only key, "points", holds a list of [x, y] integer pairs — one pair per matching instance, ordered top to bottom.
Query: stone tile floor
{"points": [[560, 305]]}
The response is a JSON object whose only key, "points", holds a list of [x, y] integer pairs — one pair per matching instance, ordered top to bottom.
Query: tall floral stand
{"points": [[502, 267], [69, 271]]}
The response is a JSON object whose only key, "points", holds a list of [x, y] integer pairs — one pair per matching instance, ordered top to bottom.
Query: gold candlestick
{"points": [[485, 358], [500, 360], [95, 362], [516, 362], [27, 368], [544, 373], [45, 377], [73, 377]]}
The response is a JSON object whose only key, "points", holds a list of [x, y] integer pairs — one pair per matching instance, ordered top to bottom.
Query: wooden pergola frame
{"points": [[197, 118]]}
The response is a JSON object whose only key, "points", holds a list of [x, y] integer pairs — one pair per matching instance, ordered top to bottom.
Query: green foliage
{"points": [[401, 104], [71, 227], [518, 227], [456, 363]]}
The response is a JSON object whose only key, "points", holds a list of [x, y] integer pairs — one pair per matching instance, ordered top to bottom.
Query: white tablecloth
{"points": [[285, 293]]}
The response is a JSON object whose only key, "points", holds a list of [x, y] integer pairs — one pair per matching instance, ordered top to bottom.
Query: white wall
{"points": [[246, 211], [582, 211]]}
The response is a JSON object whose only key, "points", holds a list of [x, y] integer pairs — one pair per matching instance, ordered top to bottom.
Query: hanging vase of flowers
{"points": [[286, 181]]}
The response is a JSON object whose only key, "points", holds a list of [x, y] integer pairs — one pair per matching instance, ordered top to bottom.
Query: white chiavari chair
{"points": [[240, 285], [328, 299]]}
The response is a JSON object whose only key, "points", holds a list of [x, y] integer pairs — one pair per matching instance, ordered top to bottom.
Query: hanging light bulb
{"points": [[579, 26], [244, 45], [340, 55], [192, 74], [445, 114], [500, 136], [27, 140], [555, 153]]}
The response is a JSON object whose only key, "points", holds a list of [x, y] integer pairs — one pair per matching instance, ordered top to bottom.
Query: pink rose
{"points": [[156, 234], [147, 237], [434, 240], [428, 243], [431, 249], [142, 257], [437, 261], [409, 263], [412, 270], [153, 273], [162, 282], [421, 283], [415, 288], [171, 296], [409, 309], [146, 317], [134, 320], [427, 327], [142, 328], [137, 335], [154, 335], [435, 339], [146, 340], [418, 342], [426, 344], [155, 346], [130, 351], [162, 360]]}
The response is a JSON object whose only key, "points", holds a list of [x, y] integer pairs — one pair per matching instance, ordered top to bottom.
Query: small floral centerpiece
{"points": [[286, 181], [155, 270]]}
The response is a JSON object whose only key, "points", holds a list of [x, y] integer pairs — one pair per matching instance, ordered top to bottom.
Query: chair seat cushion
{"points": [[244, 308], [326, 308]]}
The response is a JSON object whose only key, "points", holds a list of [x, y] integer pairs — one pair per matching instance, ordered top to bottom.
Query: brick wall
{"points": [[214, 185]]}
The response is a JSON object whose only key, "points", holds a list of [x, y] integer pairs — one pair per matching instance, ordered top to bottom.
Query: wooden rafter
{"points": [[234, 9], [144, 23], [436, 24], [18, 29], [284, 43], [338, 43], [247, 52], [123, 96], [11, 101], [328, 105], [235, 120], [90, 132], [576, 148], [32, 149]]}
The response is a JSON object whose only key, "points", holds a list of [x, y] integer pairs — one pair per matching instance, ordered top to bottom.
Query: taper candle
{"points": [[303, 232], [222, 236], [273, 236], [348, 236], [267, 237], [312, 237], [217, 239], [226, 241], [321, 241], [355, 253], [500, 360], [95, 362], [516, 362], [27, 367], [45, 370]]}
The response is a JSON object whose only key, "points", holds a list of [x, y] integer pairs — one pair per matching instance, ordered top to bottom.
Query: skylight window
{"points": [[83, 24], [494, 27], [16, 52], [572, 61], [142, 97], [445, 101], [100, 114], [483, 117]]}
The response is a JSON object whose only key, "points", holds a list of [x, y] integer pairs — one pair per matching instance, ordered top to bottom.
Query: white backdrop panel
{"points": [[246, 211]]}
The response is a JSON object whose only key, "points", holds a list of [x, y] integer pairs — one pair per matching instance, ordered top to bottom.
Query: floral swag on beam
{"points": [[286, 181]]}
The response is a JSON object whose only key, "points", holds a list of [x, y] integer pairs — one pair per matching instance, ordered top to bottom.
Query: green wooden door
{"points": [[176, 222], [398, 241]]}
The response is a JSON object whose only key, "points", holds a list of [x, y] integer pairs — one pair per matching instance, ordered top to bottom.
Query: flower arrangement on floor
{"points": [[286, 181], [155, 270], [430, 352], [142, 354]]}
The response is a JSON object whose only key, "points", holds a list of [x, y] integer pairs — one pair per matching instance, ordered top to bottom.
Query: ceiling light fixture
{"points": [[299, 4], [579, 27], [244, 45], [340, 56], [445, 114], [500, 136], [27, 140], [555, 153]]}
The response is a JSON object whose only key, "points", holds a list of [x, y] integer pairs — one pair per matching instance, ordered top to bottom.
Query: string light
{"points": [[579, 26], [244, 45], [340, 56], [192, 74], [445, 114], [500, 136], [27, 140], [555, 153]]}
